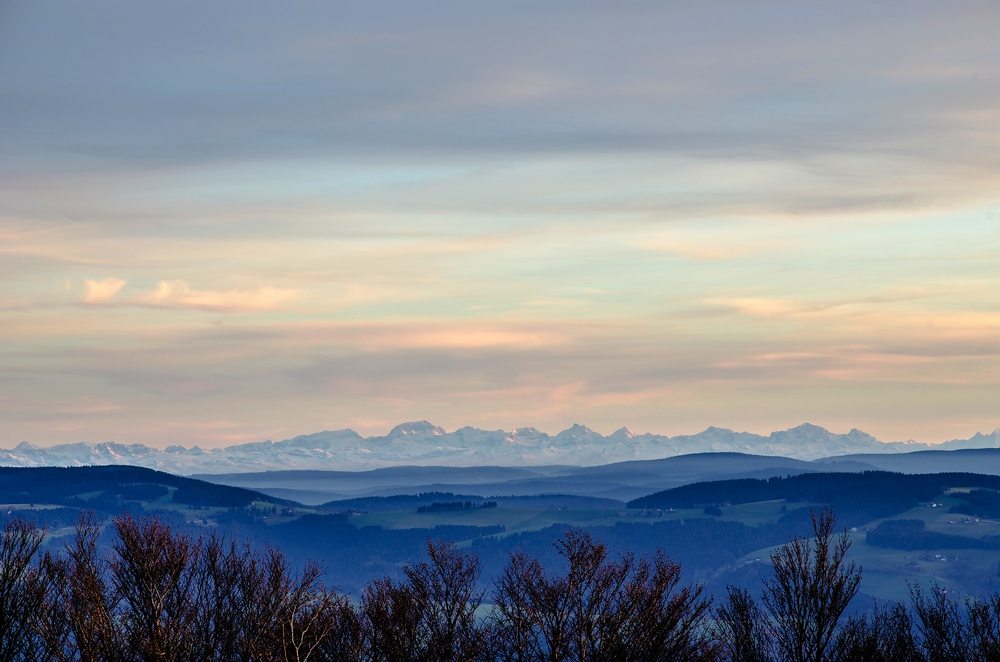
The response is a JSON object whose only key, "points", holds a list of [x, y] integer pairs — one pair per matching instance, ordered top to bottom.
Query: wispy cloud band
{"points": [[664, 215]]}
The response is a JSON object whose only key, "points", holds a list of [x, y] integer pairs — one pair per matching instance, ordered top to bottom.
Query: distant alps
{"points": [[421, 443]]}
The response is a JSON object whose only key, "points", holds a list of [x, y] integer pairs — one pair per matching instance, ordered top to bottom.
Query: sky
{"points": [[234, 221]]}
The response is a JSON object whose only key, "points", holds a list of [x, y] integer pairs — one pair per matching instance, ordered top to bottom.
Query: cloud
{"points": [[475, 212], [100, 291], [178, 294], [761, 306], [847, 307], [430, 335], [478, 338]]}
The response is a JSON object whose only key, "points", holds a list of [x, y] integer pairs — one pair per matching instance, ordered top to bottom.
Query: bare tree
{"points": [[153, 572], [260, 584], [446, 587], [810, 589], [589, 590], [22, 592], [158, 594], [161, 595], [564, 607], [81, 609], [599, 610], [307, 615], [429, 617], [654, 619], [52, 622], [394, 622], [940, 625], [220, 627], [984, 627], [742, 628], [515, 630], [886, 635], [344, 641]]}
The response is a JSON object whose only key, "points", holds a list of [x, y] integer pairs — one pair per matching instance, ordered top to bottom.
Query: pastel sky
{"points": [[231, 221]]}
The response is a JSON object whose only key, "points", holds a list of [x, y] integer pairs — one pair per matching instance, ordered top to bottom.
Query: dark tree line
{"points": [[63, 485], [159, 594]]}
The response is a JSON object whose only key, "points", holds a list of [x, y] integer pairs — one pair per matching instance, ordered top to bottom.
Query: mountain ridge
{"points": [[422, 443]]}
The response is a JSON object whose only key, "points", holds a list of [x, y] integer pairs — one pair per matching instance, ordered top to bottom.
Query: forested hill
{"points": [[83, 486], [877, 489]]}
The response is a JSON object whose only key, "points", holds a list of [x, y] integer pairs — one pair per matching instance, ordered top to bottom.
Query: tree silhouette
{"points": [[22, 590], [809, 591], [156, 593], [600, 609]]}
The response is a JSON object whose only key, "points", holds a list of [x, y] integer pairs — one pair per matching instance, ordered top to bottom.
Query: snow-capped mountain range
{"points": [[421, 443]]}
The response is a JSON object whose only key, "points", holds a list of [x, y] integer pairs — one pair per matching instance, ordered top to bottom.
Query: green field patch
{"points": [[87, 496], [8, 507], [760, 512], [410, 519], [515, 520], [939, 520], [889, 573]]}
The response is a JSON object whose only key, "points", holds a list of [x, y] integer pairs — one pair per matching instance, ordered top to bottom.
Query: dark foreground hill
{"points": [[111, 487], [881, 490]]}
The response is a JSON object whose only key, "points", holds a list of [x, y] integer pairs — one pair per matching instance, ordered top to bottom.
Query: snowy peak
{"points": [[416, 429], [805, 431], [578, 433], [622, 434], [324, 439], [979, 440], [421, 443]]}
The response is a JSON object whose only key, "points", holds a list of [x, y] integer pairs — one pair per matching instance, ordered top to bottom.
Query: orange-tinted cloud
{"points": [[100, 291], [178, 294]]}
